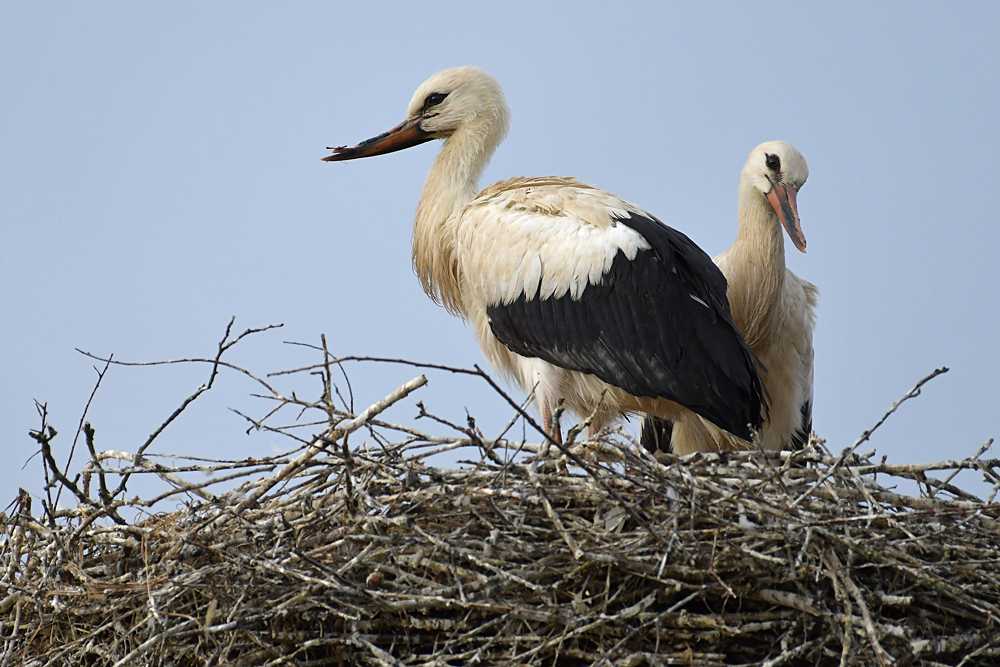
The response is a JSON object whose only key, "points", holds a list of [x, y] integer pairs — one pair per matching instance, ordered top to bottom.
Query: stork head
{"points": [[448, 102], [775, 171]]}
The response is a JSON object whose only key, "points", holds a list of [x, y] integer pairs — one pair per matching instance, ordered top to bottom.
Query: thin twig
{"points": [[83, 419], [864, 436]]}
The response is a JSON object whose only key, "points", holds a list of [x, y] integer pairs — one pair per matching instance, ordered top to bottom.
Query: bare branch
{"points": [[864, 436]]}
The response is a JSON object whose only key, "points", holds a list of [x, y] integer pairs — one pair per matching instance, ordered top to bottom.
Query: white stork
{"points": [[573, 292], [772, 307]]}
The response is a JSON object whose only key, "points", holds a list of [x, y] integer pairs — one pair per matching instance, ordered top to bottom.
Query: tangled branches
{"points": [[364, 552]]}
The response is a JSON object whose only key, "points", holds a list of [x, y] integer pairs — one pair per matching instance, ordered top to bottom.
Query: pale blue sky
{"points": [[161, 172]]}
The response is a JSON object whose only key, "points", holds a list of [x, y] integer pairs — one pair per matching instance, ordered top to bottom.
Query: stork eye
{"points": [[434, 99], [773, 163]]}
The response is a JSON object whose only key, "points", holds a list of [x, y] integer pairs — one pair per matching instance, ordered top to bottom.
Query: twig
{"points": [[224, 345], [83, 421], [339, 432], [864, 436], [982, 450], [884, 659]]}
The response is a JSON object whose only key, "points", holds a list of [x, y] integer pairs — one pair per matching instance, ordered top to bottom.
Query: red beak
{"points": [[782, 198]]}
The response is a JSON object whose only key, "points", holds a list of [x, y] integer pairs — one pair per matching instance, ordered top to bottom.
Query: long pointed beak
{"points": [[404, 135], [782, 198]]}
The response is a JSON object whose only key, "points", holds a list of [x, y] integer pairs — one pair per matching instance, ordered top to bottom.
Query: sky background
{"points": [[161, 173]]}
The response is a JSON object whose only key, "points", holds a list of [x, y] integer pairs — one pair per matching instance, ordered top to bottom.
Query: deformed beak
{"points": [[404, 135], [782, 199]]}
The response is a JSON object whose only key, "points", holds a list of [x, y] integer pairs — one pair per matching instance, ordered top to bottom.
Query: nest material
{"points": [[362, 553]]}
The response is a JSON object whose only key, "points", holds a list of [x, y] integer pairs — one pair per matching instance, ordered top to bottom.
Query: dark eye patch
{"points": [[434, 99], [773, 162]]}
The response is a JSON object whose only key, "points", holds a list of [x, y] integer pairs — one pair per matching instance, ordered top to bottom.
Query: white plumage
{"points": [[558, 237], [573, 292], [772, 307]]}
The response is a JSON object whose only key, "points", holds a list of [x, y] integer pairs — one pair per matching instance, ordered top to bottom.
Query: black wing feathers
{"points": [[641, 330], [655, 434], [800, 436]]}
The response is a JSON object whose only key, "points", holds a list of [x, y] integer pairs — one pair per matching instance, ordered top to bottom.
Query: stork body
{"points": [[573, 293], [772, 307]]}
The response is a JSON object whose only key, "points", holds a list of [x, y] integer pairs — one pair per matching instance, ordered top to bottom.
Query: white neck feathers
{"points": [[453, 181], [756, 263]]}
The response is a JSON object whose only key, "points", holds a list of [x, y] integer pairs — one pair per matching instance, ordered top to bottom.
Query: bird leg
{"points": [[550, 421], [593, 425]]}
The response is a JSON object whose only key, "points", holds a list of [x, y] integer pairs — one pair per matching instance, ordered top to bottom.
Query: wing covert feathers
{"points": [[656, 323]]}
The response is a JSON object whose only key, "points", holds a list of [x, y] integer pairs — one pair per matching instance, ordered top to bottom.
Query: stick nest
{"points": [[363, 553]]}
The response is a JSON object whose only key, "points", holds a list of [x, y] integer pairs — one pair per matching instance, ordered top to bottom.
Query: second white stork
{"points": [[574, 293], [772, 307]]}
